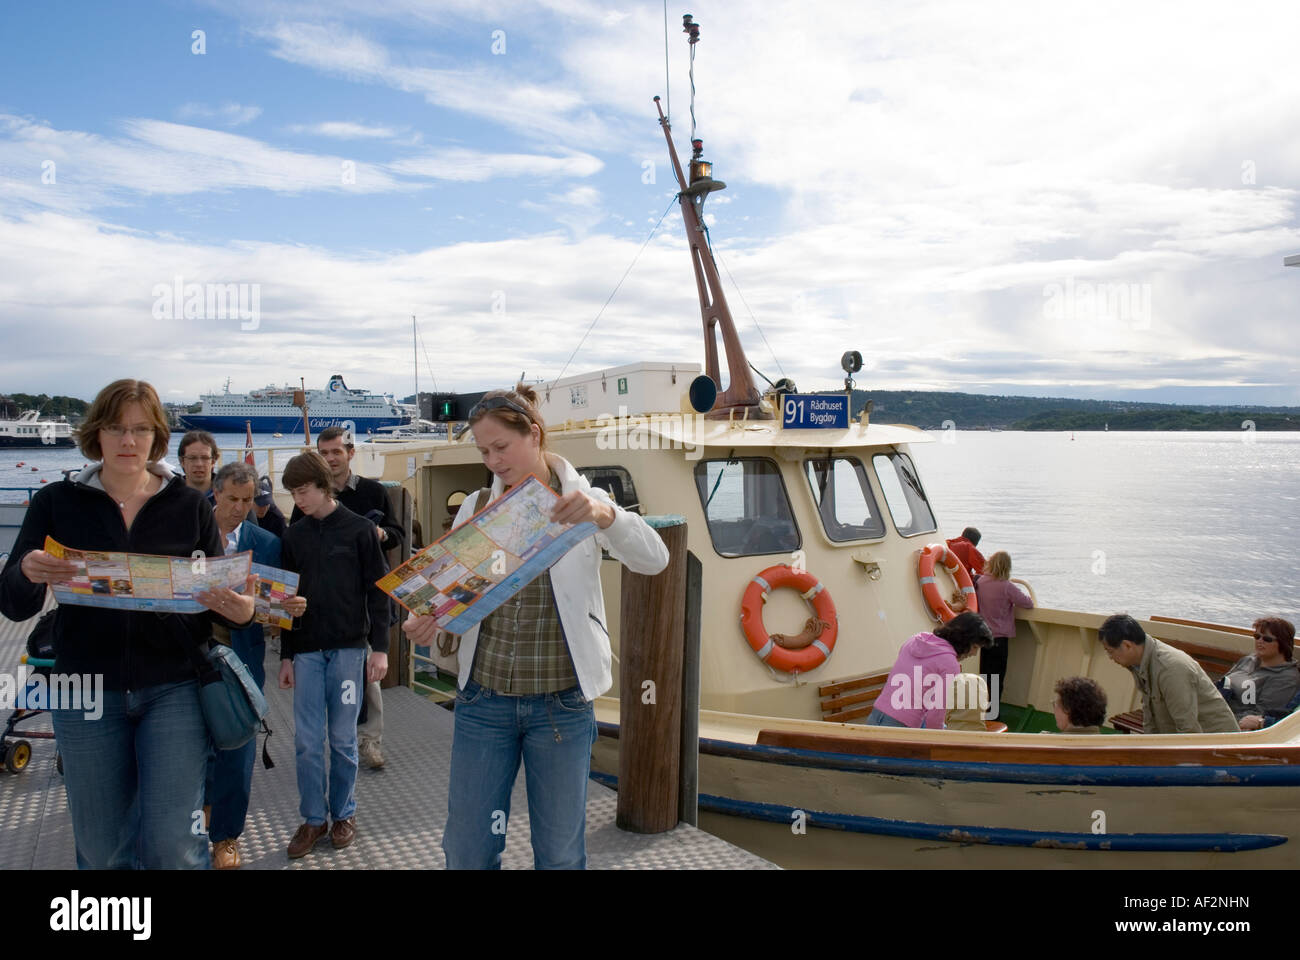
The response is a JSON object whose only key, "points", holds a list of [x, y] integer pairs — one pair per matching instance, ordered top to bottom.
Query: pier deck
{"points": [[401, 808]]}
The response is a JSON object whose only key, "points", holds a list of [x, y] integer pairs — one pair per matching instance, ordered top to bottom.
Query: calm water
{"points": [[1197, 525]]}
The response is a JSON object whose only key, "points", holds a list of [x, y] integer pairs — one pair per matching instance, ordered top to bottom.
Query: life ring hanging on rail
{"points": [[939, 552], [799, 654]]}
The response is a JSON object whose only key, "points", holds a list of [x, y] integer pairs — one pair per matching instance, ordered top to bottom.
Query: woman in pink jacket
{"points": [[998, 598], [915, 693]]}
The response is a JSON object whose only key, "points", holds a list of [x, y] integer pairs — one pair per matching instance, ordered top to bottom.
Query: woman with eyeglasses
{"points": [[531, 669], [1260, 686], [134, 760]]}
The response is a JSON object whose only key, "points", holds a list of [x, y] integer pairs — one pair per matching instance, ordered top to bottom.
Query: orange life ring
{"points": [[930, 589], [798, 654]]}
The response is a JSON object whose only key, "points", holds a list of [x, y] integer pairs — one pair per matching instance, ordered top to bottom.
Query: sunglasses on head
{"points": [[496, 403]]}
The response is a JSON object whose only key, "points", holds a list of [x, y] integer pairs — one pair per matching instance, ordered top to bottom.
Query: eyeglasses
{"points": [[119, 431], [196, 459], [1265, 637]]}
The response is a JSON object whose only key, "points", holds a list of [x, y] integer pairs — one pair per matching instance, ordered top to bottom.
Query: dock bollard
{"points": [[653, 623]]}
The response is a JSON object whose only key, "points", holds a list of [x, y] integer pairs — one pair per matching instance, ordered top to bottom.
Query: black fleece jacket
{"points": [[369, 498], [337, 561], [131, 649]]}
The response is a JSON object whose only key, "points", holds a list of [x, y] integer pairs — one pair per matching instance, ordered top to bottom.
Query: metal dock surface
{"points": [[401, 808]]}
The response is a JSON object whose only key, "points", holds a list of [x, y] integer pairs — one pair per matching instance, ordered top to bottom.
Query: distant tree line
{"points": [[14, 404], [973, 411]]}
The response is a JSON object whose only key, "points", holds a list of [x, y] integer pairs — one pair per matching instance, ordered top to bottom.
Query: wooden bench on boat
{"points": [[1215, 661], [855, 697]]}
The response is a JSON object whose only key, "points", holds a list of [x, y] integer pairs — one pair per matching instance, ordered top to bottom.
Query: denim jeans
{"points": [[327, 689], [878, 718], [553, 734], [230, 772], [134, 779]]}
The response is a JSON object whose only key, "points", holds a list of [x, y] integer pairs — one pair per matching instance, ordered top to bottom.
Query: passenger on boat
{"points": [[199, 455], [269, 517], [964, 549], [998, 598], [341, 639], [530, 671], [1261, 684], [915, 692], [1177, 696], [968, 700], [1079, 705], [230, 772], [134, 773]]}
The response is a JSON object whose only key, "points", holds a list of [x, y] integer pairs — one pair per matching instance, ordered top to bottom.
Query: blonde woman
{"points": [[998, 598], [530, 670]]}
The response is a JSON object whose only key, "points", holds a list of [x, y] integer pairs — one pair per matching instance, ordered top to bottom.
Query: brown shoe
{"points": [[343, 832], [305, 838], [225, 855]]}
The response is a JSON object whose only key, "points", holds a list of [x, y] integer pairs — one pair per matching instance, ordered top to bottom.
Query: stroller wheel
{"points": [[18, 756]]}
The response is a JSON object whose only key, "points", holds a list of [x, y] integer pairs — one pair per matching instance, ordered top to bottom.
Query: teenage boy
{"points": [[366, 498], [323, 658]]}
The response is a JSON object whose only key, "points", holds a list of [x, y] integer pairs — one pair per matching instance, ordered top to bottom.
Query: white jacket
{"points": [[576, 580]]}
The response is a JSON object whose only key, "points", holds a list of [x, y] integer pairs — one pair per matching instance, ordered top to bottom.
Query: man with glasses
{"points": [[199, 453], [1177, 696]]}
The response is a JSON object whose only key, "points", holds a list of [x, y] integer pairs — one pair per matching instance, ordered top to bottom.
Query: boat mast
{"points": [[415, 355], [741, 396]]}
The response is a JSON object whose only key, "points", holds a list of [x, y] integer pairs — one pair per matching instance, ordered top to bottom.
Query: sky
{"points": [[1012, 198]]}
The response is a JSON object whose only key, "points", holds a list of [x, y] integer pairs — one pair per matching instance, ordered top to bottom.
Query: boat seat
{"points": [[1215, 661], [852, 698]]}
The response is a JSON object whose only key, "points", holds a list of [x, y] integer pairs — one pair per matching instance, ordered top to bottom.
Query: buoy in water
{"points": [[33, 469], [43, 480]]}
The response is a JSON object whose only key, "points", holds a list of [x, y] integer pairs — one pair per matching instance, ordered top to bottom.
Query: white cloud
{"points": [[231, 114], [345, 130], [473, 165]]}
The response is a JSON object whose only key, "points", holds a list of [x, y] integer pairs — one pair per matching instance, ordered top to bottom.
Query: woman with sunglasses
{"points": [[530, 670], [1261, 685], [134, 761]]}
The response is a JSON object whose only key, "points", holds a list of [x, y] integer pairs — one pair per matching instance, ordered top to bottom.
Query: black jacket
{"points": [[369, 500], [337, 560], [131, 649]]}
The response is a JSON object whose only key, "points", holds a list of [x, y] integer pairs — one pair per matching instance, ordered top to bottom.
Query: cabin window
{"points": [[617, 482], [901, 485], [844, 500], [747, 507]]}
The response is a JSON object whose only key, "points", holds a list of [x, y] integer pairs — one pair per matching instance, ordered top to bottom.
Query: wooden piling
{"points": [[650, 689]]}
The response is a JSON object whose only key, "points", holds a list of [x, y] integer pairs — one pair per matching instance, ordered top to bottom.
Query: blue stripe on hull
{"points": [[198, 421], [32, 443], [992, 836]]}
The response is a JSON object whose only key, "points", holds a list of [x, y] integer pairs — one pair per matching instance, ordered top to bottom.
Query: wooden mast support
{"points": [[741, 396], [651, 651]]}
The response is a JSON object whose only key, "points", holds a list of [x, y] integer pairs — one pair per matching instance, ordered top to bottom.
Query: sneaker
{"points": [[370, 753], [343, 832], [305, 838], [225, 855]]}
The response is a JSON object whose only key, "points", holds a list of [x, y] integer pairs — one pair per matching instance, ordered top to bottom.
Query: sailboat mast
{"points": [[415, 355]]}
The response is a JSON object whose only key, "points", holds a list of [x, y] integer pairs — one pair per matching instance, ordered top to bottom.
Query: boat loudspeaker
{"points": [[703, 393]]}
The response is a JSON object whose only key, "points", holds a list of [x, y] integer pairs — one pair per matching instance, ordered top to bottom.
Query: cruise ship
{"points": [[271, 410]]}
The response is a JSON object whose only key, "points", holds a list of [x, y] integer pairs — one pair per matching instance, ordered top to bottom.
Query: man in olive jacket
{"points": [[1177, 696]]}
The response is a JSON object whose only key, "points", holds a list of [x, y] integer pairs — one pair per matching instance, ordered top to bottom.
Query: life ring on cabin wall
{"points": [[939, 552], [809, 649]]}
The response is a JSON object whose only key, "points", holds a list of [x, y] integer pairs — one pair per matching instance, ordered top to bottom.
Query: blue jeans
{"points": [[328, 686], [878, 718], [553, 734], [230, 772], [134, 778]]}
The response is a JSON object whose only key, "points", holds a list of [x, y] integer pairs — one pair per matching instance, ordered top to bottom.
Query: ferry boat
{"points": [[272, 410], [29, 430], [786, 767]]}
